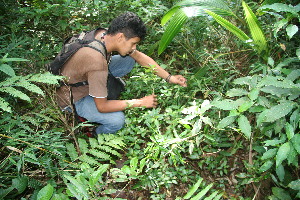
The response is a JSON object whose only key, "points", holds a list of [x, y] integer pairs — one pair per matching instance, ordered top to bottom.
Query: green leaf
{"points": [[198, 6], [281, 7], [169, 15], [229, 26], [172, 29], [255, 29], [291, 30], [298, 53], [12, 60], [7, 70], [47, 78], [243, 81], [277, 82], [31, 87], [236, 92], [15, 93], [253, 94], [226, 104], [4, 105], [245, 106], [276, 112], [226, 122], [245, 126], [289, 129], [296, 142], [282, 153], [269, 154], [267, 165], [280, 172], [20, 184], [295, 185], [79, 186], [193, 189], [203, 192], [45, 193], [281, 193], [212, 196]]}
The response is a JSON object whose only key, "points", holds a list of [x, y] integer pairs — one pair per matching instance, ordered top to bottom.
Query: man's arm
{"points": [[145, 60], [104, 106]]}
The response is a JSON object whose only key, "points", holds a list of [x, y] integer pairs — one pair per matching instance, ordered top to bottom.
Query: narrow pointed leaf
{"points": [[229, 26], [172, 29], [255, 29], [245, 126], [282, 153], [193, 189], [202, 193]]}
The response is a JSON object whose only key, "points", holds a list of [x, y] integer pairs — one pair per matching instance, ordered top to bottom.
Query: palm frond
{"points": [[229, 26], [255, 29]]}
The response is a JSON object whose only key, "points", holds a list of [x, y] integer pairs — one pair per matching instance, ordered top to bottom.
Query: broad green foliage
{"points": [[180, 12], [11, 85], [234, 126], [95, 150]]}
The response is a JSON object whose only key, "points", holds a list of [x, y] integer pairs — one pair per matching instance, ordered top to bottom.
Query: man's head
{"points": [[129, 24]]}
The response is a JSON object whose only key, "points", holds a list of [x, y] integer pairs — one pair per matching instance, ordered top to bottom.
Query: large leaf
{"points": [[281, 7], [180, 12], [229, 26], [172, 29], [255, 29], [291, 30], [7, 69], [276, 112], [226, 122], [245, 126], [296, 142], [282, 153], [193, 189], [203, 192], [45, 193]]}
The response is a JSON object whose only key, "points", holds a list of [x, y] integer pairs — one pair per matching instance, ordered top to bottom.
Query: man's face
{"points": [[127, 45]]}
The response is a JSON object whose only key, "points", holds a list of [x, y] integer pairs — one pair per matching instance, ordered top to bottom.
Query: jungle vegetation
{"points": [[233, 133]]}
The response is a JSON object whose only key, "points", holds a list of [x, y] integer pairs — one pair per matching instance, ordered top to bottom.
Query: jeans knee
{"points": [[118, 121], [112, 124]]}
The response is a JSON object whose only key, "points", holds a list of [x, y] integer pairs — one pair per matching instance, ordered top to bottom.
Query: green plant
{"points": [[12, 84], [96, 150]]}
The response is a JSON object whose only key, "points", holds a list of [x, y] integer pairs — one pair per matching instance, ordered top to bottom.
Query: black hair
{"points": [[129, 24]]}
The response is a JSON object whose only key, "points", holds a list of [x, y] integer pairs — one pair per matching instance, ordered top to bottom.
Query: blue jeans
{"points": [[86, 107]]}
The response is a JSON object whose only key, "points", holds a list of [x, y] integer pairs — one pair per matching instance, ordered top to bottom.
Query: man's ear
{"points": [[120, 36]]}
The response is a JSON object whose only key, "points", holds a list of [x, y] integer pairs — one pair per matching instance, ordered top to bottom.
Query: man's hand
{"points": [[178, 79], [148, 101]]}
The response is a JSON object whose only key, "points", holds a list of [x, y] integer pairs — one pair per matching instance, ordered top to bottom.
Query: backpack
{"points": [[86, 39]]}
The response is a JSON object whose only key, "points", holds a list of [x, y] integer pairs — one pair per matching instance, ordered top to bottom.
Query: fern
{"points": [[12, 84], [83, 145], [104, 148], [71, 151], [100, 154], [88, 159], [203, 191]]}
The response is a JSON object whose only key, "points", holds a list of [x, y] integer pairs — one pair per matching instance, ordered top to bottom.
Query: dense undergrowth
{"points": [[233, 133]]}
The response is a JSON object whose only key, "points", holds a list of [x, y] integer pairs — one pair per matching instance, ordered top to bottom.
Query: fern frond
{"points": [[7, 69], [47, 78], [30, 87], [15, 93], [4, 105], [94, 143], [117, 144], [83, 145], [110, 150], [71, 151], [100, 154], [88, 159]]}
